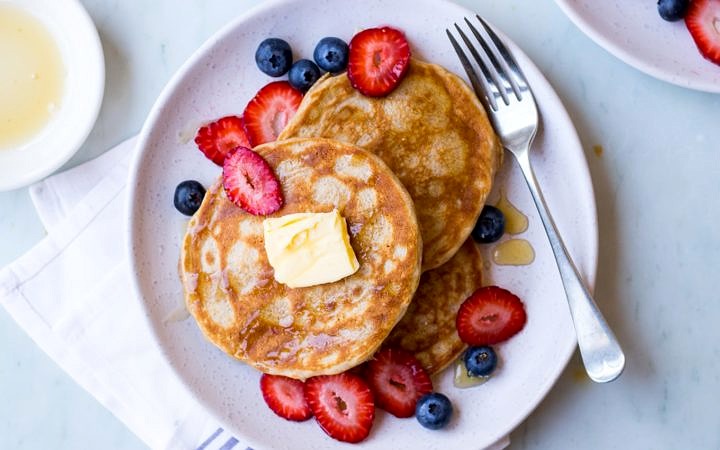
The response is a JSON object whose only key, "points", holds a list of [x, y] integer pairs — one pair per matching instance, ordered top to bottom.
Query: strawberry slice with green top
{"points": [[703, 21], [378, 60], [269, 111], [216, 139], [250, 182], [489, 316], [398, 380], [285, 397], [343, 405]]}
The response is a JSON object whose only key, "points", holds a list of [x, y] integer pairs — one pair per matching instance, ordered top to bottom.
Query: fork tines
{"points": [[502, 78]]}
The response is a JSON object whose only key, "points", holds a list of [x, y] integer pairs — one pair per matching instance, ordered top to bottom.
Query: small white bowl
{"points": [[82, 57]]}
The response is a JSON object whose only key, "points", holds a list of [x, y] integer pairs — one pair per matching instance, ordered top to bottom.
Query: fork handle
{"points": [[602, 356]]}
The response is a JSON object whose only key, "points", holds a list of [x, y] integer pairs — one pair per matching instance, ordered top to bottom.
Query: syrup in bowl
{"points": [[32, 76]]}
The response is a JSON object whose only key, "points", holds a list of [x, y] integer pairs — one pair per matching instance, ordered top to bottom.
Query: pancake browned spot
{"points": [[432, 132], [428, 328], [322, 329]]}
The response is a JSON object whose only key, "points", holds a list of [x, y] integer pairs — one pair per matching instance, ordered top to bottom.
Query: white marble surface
{"points": [[657, 185]]}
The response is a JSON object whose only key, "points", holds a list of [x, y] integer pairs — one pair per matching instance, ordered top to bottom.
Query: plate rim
{"points": [[584, 25], [157, 109]]}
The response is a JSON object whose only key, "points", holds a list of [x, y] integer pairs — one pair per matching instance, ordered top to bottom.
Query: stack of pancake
{"points": [[410, 172]]}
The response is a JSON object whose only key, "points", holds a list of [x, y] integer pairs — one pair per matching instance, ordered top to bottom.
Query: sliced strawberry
{"points": [[703, 21], [378, 60], [269, 111], [217, 138], [250, 183], [490, 315], [398, 380], [285, 396], [343, 405]]}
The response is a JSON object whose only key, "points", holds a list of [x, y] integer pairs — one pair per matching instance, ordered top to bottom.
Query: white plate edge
{"points": [[656, 72], [143, 140]]}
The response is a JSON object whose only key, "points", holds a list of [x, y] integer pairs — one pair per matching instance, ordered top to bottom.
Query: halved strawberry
{"points": [[703, 21], [378, 60], [269, 111], [217, 138], [250, 182], [490, 315], [398, 380], [285, 396], [343, 405]]}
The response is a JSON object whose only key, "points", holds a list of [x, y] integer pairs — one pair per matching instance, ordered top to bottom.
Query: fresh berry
{"points": [[672, 10], [703, 21], [331, 54], [273, 57], [378, 60], [303, 74], [269, 111], [217, 138], [250, 183], [188, 197], [490, 225], [490, 315], [480, 361], [398, 380], [285, 396], [342, 404], [434, 410]]}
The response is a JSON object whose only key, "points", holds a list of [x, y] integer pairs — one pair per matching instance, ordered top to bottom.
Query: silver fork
{"points": [[510, 105]]}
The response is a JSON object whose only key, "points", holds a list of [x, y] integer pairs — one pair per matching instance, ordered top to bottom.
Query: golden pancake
{"points": [[433, 133], [229, 285], [428, 328]]}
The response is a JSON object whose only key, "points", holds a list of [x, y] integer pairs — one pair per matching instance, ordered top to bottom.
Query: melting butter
{"points": [[307, 249]]}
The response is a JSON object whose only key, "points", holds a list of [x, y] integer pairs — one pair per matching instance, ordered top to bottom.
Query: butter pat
{"points": [[307, 249]]}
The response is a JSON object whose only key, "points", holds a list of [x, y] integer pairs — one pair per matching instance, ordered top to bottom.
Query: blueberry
{"points": [[672, 10], [331, 54], [273, 57], [303, 74], [188, 197], [490, 226], [480, 361], [433, 410]]}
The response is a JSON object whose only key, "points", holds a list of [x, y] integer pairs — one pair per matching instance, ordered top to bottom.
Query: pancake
{"points": [[433, 133], [428, 328], [302, 332]]}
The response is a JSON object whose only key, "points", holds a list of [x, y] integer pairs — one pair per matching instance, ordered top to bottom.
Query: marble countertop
{"points": [[657, 182]]}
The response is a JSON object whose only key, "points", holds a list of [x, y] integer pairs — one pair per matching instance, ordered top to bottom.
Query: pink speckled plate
{"points": [[634, 32], [219, 79]]}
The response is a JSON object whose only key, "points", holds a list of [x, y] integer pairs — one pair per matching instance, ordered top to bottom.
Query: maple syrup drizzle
{"points": [[515, 221], [514, 252]]}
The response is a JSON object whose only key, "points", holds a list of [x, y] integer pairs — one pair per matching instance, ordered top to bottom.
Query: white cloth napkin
{"points": [[72, 294]]}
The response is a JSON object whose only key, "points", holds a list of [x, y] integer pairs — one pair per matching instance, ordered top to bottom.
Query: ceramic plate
{"points": [[634, 32], [219, 79]]}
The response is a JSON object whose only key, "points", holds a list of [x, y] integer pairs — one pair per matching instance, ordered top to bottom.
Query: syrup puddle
{"points": [[32, 76], [515, 221], [515, 251]]}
